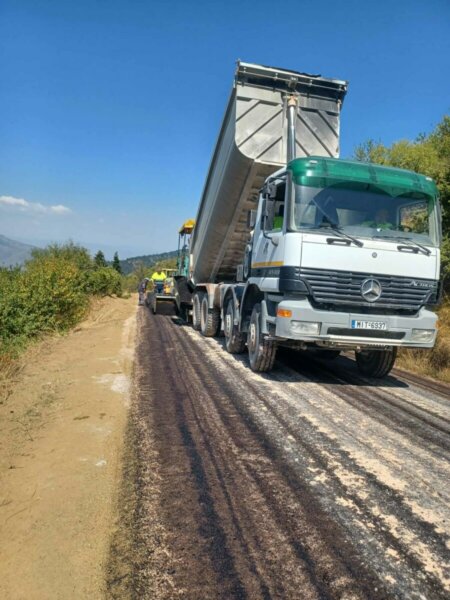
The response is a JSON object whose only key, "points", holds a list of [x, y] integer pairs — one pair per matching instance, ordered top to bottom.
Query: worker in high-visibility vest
{"points": [[158, 279]]}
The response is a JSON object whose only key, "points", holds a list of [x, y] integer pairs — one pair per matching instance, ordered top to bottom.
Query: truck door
{"points": [[268, 245]]}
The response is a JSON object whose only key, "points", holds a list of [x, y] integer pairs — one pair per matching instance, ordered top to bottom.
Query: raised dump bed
{"points": [[251, 145]]}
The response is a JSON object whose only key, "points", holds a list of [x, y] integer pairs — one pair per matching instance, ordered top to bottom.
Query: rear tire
{"points": [[196, 307], [209, 320], [234, 339], [261, 350], [376, 363]]}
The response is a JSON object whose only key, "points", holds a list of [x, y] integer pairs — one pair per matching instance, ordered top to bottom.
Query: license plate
{"points": [[374, 325]]}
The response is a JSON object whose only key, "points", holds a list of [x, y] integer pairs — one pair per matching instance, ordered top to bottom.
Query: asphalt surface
{"points": [[309, 482]]}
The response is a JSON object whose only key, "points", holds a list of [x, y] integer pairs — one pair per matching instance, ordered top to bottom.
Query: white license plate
{"points": [[375, 325]]}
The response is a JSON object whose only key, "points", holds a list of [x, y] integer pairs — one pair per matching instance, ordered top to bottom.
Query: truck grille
{"points": [[344, 288]]}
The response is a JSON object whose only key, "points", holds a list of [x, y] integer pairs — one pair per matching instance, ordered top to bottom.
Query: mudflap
{"points": [[183, 296]]}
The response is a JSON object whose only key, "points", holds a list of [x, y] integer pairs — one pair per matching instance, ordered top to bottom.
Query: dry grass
{"points": [[436, 362], [10, 369]]}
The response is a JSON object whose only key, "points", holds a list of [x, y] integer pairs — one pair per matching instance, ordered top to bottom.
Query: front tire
{"points": [[234, 339], [261, 350], [376, 363]]}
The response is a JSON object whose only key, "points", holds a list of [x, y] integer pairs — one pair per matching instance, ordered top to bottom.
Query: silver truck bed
{"points": [[252, 145]]}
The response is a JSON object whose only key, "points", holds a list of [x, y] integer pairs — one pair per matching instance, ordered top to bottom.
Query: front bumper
{"points": [[336, 327]]}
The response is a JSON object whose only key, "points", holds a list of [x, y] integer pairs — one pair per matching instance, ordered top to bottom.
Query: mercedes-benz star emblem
{"points": [[371, 290]]}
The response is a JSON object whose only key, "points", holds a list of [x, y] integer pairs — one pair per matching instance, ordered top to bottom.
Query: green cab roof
{"points": [[318, 171]]}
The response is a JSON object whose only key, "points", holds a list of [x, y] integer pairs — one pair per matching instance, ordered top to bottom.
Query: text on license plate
{"points": [[368, 324]]}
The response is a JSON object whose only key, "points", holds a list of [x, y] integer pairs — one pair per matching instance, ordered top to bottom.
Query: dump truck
{"points": [[295, 247]]}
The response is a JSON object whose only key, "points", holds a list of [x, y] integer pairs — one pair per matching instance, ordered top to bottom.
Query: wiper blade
{"points": [[335, 227], [342, 233], [409, 242], [424, 249]]}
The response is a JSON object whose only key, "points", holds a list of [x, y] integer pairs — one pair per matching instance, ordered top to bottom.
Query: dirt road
{"points": [[61, 435], [310, 482]]}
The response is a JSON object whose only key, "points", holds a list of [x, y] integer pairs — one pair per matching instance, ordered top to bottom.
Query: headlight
{"points": [[305, 327], [422, 335]]}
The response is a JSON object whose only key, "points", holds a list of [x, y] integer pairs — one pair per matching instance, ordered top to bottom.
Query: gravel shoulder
{"points": [[61, 443]]}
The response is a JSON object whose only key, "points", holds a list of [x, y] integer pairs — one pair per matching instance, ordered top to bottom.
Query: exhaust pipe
{"points": [[292, 104]]}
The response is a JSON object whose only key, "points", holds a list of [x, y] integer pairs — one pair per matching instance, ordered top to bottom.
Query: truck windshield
{"points": [[368, 214]]}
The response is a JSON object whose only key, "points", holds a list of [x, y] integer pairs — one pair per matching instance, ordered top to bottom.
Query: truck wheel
{"points": [[196, 310], [209, 321], [234, 339], [261, 350], [376, 363]]}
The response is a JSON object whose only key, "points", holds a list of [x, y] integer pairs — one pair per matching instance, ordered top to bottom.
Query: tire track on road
{"points": [[274, 489]]}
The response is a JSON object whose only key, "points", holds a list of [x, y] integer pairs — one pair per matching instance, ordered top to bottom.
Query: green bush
{"points": [[104, 281], [50, 293]]}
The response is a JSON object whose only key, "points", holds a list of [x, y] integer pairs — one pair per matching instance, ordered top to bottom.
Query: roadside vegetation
{"points": [[430, 155], [50, 293]]}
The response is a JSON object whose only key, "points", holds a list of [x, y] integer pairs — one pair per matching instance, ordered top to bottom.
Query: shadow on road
{"points": [[305, 367]]}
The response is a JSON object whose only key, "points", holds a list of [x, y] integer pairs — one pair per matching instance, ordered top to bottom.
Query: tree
{"points": [[429, 155], [68, 251], [100, 260], [116, 263], [167, 263], [140, 271]]}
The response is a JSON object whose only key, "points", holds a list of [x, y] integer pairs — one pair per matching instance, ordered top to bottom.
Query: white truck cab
{"points": [[347, 257]]}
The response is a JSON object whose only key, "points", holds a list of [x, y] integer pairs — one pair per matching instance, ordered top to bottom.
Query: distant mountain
{"points": [[13, 253], [148, 260]]}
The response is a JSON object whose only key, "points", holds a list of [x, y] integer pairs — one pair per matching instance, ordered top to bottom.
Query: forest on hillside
{"points": [[129, 265]]}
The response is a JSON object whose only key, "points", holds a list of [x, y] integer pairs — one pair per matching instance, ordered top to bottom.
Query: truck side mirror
{"points": [[271, 190], [267, 206], [264, 212], [251, 219]]}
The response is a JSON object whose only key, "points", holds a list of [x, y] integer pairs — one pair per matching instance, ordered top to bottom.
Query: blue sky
{"points": [[111, 108]]}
